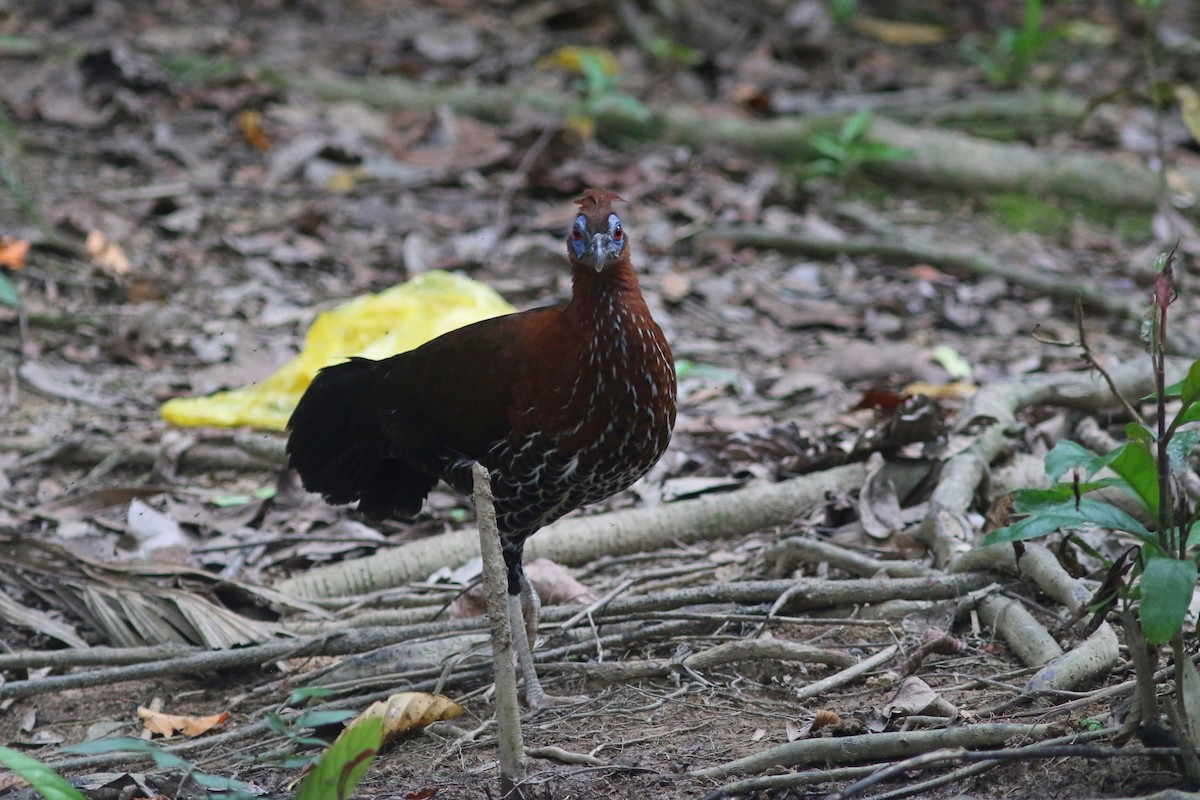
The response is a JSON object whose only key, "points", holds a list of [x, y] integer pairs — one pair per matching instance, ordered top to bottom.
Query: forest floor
{"points": [[196, 181]]}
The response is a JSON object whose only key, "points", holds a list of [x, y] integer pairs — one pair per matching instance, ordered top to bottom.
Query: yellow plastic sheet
{"points": [[373, 326]]}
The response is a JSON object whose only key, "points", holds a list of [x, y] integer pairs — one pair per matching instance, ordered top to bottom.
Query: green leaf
{"points": [[13, 45], [854, 127], [828, 147], [8, 293], [1189, 391], [1192, 414], [1137, 432], [1179, 448], [1066, 456], [1134, 462], [1030, 501], [1107, 515], [1055, 516], [1028, 528], [1167, 585], [304, 693], [319, 719], [128, 744], [163, 760], [343, 765], [48, 783]]}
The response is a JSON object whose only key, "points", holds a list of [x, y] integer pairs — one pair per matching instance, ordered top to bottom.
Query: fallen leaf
{"points": [[898, 33], [571, 57], [1189, 109], [250, 125], [13, 252], [105, 254], [554, 585], [913, 697], [405, 712], [824, 718], [170, 724]]}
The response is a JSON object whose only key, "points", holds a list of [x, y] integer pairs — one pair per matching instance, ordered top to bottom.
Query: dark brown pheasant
{"points": [[564, 406]]}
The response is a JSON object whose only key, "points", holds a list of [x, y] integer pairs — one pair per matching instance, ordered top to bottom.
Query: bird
{"points": [[564, 405]]}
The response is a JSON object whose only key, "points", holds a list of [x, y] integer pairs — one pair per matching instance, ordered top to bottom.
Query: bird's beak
{"points": [[601, 245]]}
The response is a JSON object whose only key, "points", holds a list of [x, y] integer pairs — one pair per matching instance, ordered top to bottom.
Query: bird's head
{"points": [[597, 238]]}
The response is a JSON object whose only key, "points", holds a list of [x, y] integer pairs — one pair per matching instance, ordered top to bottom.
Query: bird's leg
{"points": [[523, 610]]}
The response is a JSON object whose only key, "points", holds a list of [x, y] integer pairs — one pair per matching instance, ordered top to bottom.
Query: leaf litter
{"points": [[224, 209]]}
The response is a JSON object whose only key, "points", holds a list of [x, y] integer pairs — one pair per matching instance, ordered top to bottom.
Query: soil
{"points": [[190, 210]]}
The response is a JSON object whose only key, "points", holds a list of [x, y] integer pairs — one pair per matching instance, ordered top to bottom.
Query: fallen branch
{"points": [[943, 158], [911, 249], [246, 454], [578, 540], [812, 593], [775, 650], [848, 675], [874, 747]]}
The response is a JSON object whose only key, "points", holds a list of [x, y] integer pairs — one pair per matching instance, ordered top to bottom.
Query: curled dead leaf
{"points": [[250, 125], [106, 254], [405, 712], [824, 718], [170, 724]]}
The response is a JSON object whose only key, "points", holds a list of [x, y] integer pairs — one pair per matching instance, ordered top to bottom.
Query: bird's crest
{"points": [[596, 204]]}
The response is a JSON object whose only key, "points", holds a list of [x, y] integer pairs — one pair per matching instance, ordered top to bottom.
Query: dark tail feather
{"points": [[339, 447]]}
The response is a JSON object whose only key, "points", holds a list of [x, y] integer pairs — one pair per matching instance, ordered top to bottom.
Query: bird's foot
{"points": [[542, 699]]}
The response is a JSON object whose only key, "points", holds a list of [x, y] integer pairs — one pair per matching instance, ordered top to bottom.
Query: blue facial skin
{"points": [[596, 250]]}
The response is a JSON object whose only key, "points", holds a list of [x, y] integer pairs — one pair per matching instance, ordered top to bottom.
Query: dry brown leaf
{"points": [[250, 125], [13, 252], [106, 254], [554, 585], [405, 712], [823, 718], [170, 724]]}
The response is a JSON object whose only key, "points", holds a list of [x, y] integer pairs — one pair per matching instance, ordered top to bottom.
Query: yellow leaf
{"points": [[901, 34], [570, 58], [944, 391], [405, 712]]}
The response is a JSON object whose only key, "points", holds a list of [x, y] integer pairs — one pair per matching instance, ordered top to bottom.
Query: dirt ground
{"points": [[191, 203]]}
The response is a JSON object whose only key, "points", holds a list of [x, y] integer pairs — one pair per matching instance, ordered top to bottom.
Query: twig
{"points": [[910, 248], [1090, 358], [495, 582], [848, 675], [563, 756], [992, 756]]}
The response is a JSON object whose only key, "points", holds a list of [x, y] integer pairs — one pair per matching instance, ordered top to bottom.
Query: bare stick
{"points": [[495, 583], [848, 675], [849, 749]]}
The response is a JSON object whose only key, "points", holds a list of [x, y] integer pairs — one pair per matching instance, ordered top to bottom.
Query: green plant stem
{"points": [[1158, 357], [1143, 665], [1179, 716]]}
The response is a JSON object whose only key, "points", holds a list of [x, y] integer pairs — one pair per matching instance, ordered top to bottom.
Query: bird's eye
{"points": [[618, 233], [577, 234]]}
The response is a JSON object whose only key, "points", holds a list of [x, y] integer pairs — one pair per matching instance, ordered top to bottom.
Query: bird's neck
{"points": [[596, 296]]}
